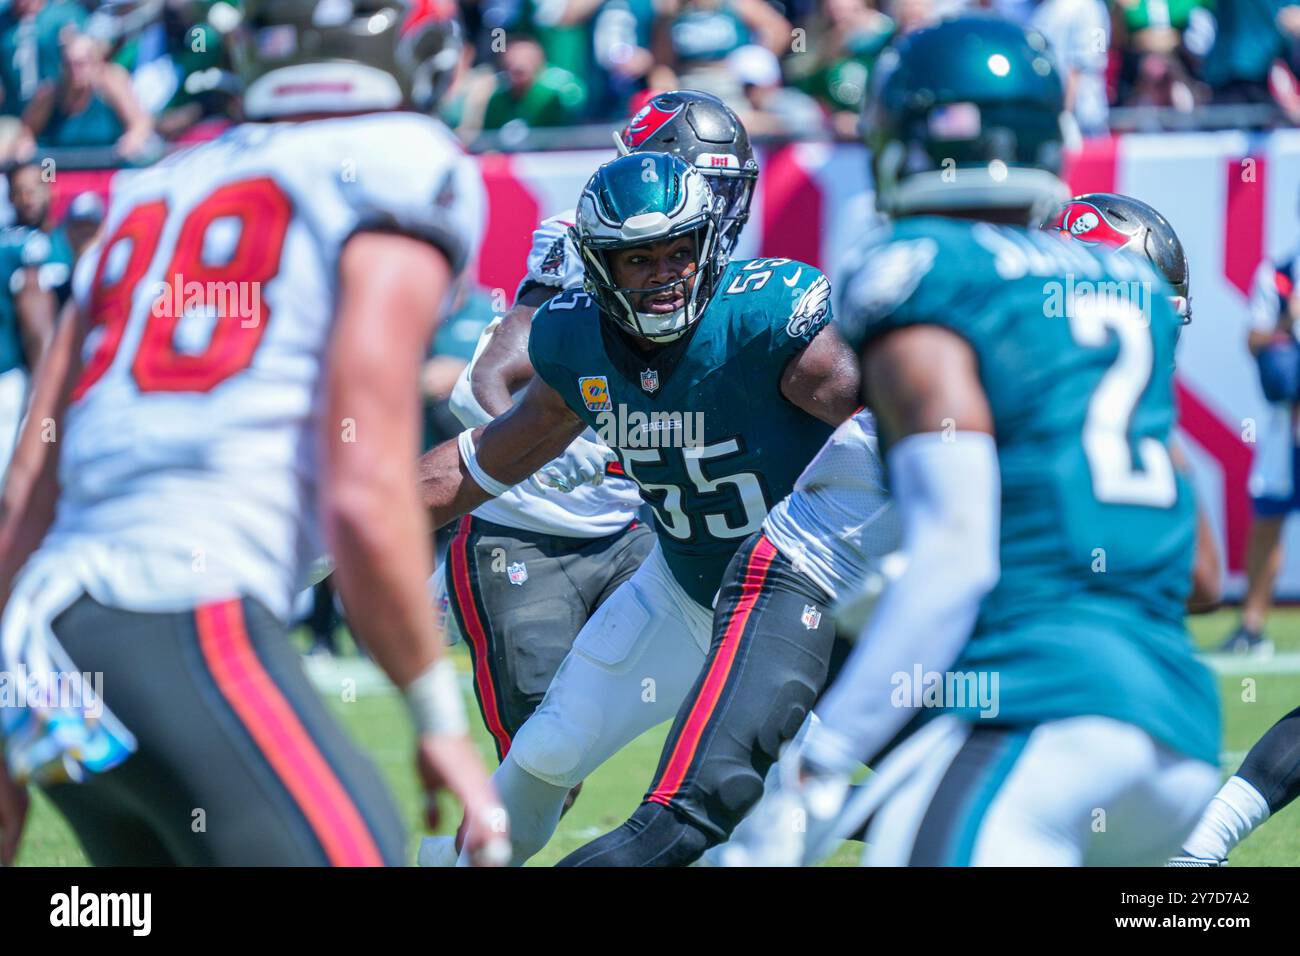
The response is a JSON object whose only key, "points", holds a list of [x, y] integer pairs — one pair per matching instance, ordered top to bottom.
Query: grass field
{"points": [[377, 722]]}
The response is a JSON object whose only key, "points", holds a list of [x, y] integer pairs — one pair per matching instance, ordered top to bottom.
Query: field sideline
{"points": [[377, 722]]}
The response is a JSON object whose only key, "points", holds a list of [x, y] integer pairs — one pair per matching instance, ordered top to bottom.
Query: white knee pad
{"points": [[628, 670], [556, 742], [553, 743]]}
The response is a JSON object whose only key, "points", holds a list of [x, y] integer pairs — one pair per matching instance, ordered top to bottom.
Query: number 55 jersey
{"points": [[1075, 348], [701, 424], [188, 460]]}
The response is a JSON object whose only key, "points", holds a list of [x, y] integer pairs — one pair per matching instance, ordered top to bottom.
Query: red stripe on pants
{"points": [[458, 556], [706, 701], [278, 733]]}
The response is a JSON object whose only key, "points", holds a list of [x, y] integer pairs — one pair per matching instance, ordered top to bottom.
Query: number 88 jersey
{"points": [[1075, 349], [188, 460]]}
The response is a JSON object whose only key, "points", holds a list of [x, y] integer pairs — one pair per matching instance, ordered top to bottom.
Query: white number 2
{"points": [[1115, 479]]}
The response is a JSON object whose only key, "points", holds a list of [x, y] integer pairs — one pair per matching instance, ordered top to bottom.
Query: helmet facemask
{"points": [[737, 192], [621, 302]]}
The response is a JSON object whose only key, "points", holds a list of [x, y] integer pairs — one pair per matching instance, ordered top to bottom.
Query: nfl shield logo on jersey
{"points": [[650, 381], [518, 573], [811, 617]]}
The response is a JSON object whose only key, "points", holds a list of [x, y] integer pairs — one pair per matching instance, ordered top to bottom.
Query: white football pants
{"points": [[628, 670], [1085, 791]]}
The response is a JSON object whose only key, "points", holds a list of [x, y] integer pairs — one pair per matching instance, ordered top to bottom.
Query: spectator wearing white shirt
{"points": [[1078, 32]]}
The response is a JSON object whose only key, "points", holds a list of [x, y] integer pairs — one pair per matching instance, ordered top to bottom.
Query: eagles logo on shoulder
{"points": [[889, 275], [810, 311]]}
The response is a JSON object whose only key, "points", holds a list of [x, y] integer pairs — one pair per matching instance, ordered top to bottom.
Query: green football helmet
{"points": [[967, 115], [641, 199]]}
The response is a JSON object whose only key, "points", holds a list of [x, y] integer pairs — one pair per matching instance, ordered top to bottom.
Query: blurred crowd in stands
{"points": [[128, 75]]}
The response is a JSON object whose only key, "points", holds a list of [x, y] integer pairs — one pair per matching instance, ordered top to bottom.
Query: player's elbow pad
{"points": [[948, 490]]}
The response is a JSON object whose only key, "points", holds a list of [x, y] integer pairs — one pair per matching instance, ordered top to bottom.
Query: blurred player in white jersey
{"points": [[235, 388], [526, 570]]}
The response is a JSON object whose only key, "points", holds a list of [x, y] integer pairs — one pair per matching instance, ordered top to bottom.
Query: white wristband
{"points": [[470, 457], [435, 701]]}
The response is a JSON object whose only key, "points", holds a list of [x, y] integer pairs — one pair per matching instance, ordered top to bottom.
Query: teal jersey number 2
{"points": [[1075, 349]]}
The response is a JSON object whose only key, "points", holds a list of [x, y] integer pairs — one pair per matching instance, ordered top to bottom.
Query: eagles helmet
{"points": [[341, 56], [967, 114], [708, 135], [638, 200], [1123, 222]]}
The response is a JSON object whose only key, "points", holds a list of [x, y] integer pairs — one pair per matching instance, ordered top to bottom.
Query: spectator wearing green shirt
{"points": [[563, 28], [621, 36], [694, 38], [844, 39], [1161, 45], [29, 47], [179, 64], [531, 92], [30, 196], [26, 325]]}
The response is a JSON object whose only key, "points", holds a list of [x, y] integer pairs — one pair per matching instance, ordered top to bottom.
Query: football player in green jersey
{"points": [[1123, 222], [27, 310], [714, 383], [1026, 689]]}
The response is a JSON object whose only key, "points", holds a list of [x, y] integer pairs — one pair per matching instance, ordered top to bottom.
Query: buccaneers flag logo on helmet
{"points": [[648, 121], [1087, 223]]}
